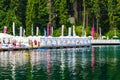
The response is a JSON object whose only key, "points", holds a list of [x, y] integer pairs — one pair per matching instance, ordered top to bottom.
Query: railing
{"points": [[60, 42], [105, 42]]}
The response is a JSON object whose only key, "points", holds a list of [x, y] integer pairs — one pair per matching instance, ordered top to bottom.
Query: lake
{"points": [[88, 63]]}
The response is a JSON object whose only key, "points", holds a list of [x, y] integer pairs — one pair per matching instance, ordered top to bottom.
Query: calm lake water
{"points": [[91, 63]]}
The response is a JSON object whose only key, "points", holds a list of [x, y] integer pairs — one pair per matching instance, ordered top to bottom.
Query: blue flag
{"points": [[44, 32]]}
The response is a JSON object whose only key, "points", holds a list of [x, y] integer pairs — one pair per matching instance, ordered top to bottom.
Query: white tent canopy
{"points": [[3, 35]]}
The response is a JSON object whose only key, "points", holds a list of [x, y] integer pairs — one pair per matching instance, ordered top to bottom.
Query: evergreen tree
{"points": [[10, 9], [3, 10], [62, 11], [21, 12], [105, 13], [111, 13], [36, 14], [42, 14], [117, 15], [29, 16], [104, 22]]}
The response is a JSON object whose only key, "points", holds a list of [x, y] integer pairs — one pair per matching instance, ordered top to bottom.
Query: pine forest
{"points": [[102, 14]]}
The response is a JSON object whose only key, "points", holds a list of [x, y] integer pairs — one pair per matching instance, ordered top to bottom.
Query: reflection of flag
{"points": [[5, 29], [93, 31], [44, 32], [83, 59], [93, 59], [48, 62]]}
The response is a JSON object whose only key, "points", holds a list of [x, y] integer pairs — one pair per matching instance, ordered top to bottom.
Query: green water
{"points": [[91, 63]]}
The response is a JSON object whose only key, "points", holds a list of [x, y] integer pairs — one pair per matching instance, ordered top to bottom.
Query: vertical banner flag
{"points": [[5, 29], [13, 29], [37, 29], [48, 29], [62, 30], [20, 31], [69, 31], [93, 31], [100, 31], [44, 32], [74, 34]]}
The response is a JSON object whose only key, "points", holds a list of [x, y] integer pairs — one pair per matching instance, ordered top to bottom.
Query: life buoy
{"points": [[35, 42]]}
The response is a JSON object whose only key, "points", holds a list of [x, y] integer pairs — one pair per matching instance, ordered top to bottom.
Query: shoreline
{"points": [[55, 47]]}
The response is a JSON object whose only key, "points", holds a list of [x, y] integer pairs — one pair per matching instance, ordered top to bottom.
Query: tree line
{"points": [[104, 14]]}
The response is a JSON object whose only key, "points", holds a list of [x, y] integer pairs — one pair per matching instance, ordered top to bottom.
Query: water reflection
{"points": [[93, 59], [10, 62], [48, 64], [61, 64]]}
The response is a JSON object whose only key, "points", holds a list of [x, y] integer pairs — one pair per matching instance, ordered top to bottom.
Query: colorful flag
{"points": [[5, 29], [48, 29], [93, 31], [44, 32]]}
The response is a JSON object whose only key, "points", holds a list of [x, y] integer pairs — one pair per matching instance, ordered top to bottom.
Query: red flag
{"points": [[48, 29], [93, 32]]}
